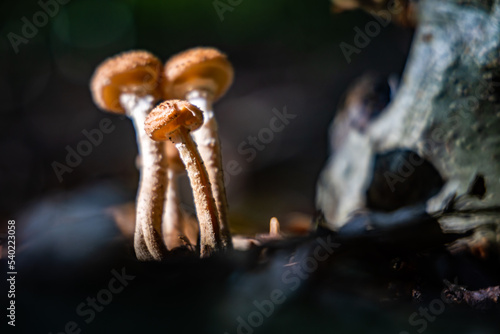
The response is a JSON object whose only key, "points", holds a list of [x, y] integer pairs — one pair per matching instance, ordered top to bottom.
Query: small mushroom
{"points": [[201, 76], [129, 84], [173, 120], [274, 228], [274, 231]]}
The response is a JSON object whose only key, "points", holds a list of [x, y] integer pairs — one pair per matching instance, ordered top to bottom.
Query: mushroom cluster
{"points": [[178, 135]]}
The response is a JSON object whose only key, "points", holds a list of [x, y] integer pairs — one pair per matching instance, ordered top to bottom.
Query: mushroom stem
{"points": [[209, 147], [203, 199], [172, 227], [274, 227], [148, 243]]}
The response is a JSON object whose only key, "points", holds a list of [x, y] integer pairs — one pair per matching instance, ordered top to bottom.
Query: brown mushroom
{"points": [[202, 76], [129, 84], [173, 120], [274, 228], [274, 231]]}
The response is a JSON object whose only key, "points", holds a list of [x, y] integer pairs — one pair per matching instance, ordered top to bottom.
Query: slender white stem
{"points": [[207, 139], [206, 209], [148, 243]]}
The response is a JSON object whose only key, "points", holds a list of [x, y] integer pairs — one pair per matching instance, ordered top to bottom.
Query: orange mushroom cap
{"points": [[198, 69], [136, 72], [169, 116]]}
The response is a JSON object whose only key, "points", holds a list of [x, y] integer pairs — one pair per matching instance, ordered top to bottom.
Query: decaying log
{"points": [[445, 114]]}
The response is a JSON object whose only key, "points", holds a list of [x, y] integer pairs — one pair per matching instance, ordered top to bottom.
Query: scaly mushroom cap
{"points": [[198, 69], [136, 72], [169, 116], [174, 160]]}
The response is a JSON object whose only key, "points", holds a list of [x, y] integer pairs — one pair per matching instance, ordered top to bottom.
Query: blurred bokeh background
{"points": [[286, 54]]}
